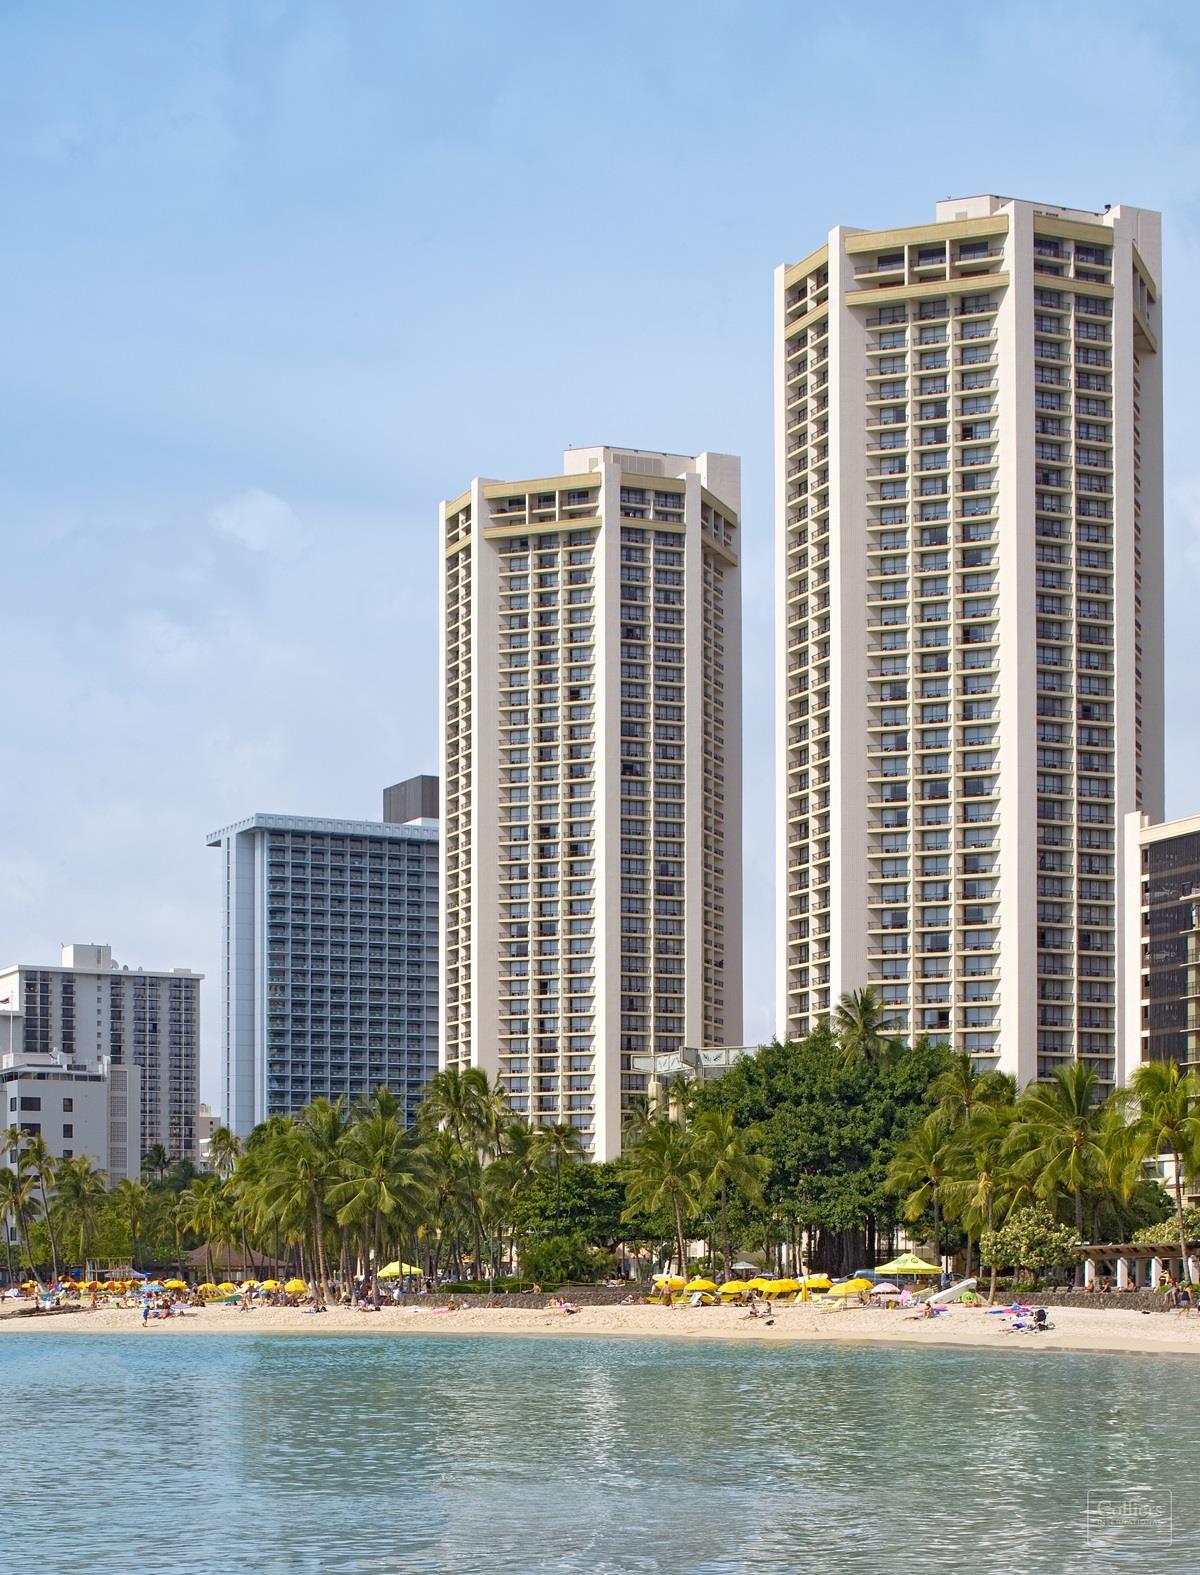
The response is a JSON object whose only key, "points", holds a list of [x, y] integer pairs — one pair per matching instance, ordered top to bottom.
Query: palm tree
{"points": [[860, 1026], [962, 1089], [458, 1102], [1167, 1121], [1059, 1126], [224, 1146], [558, 1146], [156, 1161], [303, 1161], [725, 1162], [42, 1165], [664, 1169], [919, 1170], [385, 1176], [985, 1186], [80, 1197], [134, 1200], [17, 1202], [207, 1213]]}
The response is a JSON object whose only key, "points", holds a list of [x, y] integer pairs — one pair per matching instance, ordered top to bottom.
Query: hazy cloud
{"points": [[258, 520]]}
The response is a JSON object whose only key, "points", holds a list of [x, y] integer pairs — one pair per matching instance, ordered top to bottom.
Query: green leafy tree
{"points": [[829, 1128]]}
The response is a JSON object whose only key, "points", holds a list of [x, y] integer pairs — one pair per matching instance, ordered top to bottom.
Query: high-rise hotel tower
{"points": [[969, 562], [591, 758]]}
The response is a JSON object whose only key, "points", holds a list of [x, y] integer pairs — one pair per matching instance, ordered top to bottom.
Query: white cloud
{"points": [[258, 520]]}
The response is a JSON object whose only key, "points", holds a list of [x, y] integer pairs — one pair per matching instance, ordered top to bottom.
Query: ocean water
{"points": [[376, 1454]]}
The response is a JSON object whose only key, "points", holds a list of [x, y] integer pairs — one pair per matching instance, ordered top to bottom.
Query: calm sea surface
{"points": [[378, 1454]]}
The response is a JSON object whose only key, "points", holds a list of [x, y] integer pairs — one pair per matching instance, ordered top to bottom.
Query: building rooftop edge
{"points": [[1161, 830], [402, 831]]}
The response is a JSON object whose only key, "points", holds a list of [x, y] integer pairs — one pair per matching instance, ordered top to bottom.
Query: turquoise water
{"points": [[204, 1453]]}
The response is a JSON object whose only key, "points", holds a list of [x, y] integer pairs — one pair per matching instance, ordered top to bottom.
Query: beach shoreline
{"points": [[1115, 1331]]}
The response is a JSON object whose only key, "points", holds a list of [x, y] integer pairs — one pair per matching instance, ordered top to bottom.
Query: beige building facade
{"points": [[969, 621], [591, 767]]}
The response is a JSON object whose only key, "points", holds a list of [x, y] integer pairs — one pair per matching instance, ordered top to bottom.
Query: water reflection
{"points": [[409, 1455]]}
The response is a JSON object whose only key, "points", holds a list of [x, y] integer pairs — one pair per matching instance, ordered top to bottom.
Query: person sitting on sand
{"points": [[630, 1301]]}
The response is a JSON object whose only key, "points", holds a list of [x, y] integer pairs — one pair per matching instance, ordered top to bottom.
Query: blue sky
{"points": [[278, 276]]}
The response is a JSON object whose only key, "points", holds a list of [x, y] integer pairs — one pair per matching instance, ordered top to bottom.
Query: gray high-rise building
{"points": [[329, 961]]}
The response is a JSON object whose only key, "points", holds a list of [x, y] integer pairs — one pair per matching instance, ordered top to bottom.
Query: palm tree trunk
{"points": [[991, 1221], [937, 1228], [49, 1230], [1079, 1233], [679, 1237], [319, 1243], [725, 1246], [1183, 1253], [375, 1266]]}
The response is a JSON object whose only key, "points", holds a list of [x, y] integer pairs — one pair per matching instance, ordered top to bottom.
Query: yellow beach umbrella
{"points": [[393, 1271], [674, 1282], [817, 1282], [758, 1283], [174, 1285], [248, 1285], [270, 1285], [700, 1285], [227, 1287], [295, 1287], [733, 1287], [782, 1287], [850, 1287], [207, 1289]]}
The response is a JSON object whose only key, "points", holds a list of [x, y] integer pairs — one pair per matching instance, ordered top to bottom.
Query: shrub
{"points": [[1031, 1239], [561, 1258]]}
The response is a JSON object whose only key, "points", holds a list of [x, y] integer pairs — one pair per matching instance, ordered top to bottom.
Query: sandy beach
{"points": [[1115, 1330]]}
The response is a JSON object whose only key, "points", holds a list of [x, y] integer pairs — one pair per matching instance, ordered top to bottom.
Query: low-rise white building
{"points": [[92, 1111]]}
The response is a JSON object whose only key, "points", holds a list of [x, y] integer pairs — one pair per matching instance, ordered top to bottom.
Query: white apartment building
{"points": [[969, 621], [591, 759], [87, 1008], [90, 1110]]}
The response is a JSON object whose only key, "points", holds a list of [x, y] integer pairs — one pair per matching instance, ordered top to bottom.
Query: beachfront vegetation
{"points": [[816, 1153]]}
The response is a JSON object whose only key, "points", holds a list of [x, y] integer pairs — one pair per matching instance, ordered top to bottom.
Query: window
{"points": [[30, 1102], [68, 1105], [68, 1129]]}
